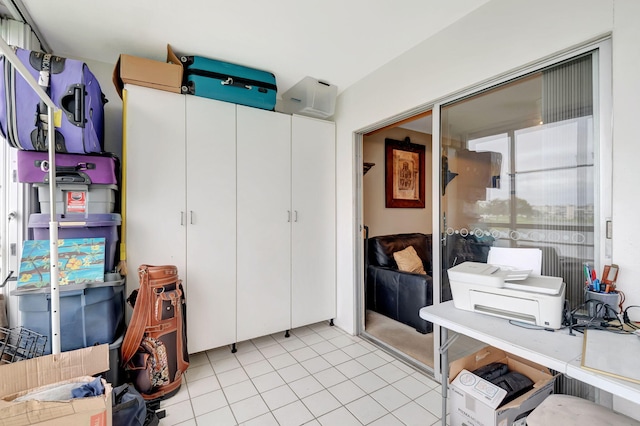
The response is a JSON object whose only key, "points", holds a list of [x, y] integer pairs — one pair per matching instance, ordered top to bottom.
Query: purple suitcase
{"points": [[71, 86], [70, 168]]}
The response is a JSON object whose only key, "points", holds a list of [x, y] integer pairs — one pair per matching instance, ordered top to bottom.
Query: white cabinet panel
{"points": [[155, 179], [264, 222], [211, 223], [313, 282]]}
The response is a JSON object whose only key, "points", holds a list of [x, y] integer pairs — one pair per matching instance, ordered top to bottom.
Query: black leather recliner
{"points": [[396, 294]]}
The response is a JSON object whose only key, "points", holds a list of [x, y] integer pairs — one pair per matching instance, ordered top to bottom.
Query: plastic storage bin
{"points": [[310, 97], [74, 198], [89, 226], [598, 309], [88, 316], [116, 374]]}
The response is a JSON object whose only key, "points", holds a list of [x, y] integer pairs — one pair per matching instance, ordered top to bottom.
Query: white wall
{"points": [[500, 36], [626, 154]]}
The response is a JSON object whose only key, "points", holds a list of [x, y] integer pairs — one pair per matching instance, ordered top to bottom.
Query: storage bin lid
{"points": [[41, 220], [68, 288]]}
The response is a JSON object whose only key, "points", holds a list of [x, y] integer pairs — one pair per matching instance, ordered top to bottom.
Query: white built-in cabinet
{"points": [[242, 201], [180, 206]]}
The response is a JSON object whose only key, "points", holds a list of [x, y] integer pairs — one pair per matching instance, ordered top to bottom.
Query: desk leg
{"points": [[445, 342], [444, 367]]}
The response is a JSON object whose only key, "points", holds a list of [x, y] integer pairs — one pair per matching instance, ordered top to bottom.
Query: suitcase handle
{"points": [[230, 82], [72, 103], [77, 111], [44, 166], [66, 174], [73, 177]]}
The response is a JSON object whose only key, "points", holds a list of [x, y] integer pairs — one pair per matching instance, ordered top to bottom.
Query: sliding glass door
{"points": [[522, 165]]}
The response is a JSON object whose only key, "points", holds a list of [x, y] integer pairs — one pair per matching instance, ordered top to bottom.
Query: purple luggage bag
{"points": [[71, 86], [70, 168]]}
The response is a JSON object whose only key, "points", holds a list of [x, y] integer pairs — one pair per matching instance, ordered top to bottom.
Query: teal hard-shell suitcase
{"points": [[229, 82]]}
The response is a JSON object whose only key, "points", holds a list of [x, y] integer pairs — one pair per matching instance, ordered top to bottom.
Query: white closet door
{"points": [[155, 180], [211, 223], [264, 227], [313, 283]]}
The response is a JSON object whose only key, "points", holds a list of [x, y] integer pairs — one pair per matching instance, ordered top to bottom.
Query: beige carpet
{"points": [[401, 337]]}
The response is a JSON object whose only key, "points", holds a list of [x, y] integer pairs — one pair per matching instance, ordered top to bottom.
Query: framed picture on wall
{"points": [[404, 174]]}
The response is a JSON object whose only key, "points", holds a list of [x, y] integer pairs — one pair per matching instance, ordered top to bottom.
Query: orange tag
{"points": [[76, 202], [99, 419]]}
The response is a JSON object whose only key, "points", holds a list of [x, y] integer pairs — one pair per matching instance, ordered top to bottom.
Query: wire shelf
{"points": [[17, 344]]}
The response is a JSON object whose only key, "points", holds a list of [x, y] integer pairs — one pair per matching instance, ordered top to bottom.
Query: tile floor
{"points": [[320, 375]]}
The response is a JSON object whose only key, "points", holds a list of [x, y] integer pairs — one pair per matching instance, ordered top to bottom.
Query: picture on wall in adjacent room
{"points": [[404, 162]]}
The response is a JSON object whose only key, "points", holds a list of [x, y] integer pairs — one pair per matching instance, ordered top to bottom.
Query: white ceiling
{"points": [[339, 41]]}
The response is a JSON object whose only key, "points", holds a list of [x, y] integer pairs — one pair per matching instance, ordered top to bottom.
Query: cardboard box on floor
{"points": [[145, 72], [18, 378], [473, 401]]}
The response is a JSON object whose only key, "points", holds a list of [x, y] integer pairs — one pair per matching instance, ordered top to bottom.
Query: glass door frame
{"points": [[603, 152]]}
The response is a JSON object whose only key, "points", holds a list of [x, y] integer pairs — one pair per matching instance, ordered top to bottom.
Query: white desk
{"points": [[556, 350]]}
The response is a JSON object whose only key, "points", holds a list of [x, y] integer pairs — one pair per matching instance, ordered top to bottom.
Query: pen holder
{"points": [[598, 310]]}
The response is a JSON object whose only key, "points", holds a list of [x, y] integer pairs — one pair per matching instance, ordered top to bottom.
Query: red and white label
{"points": [[76, 202]]}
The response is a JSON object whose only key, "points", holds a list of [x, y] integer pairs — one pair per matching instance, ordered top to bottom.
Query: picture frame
{"points": [[404, 174], [80, 262], [610, 274]]}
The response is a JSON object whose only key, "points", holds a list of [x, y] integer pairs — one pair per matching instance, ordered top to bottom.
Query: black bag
{"points": [[130, 408]]}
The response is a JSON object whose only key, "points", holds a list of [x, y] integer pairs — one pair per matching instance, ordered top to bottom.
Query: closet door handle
{"points": [[288, 215], [295, 215], [191, 217], [181, 218]]}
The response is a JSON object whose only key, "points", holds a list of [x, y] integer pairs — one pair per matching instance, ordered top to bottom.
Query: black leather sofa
{"points": [[396, 294], [400, 295]]}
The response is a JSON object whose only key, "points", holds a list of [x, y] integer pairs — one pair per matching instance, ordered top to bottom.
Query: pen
{"points": [[587, 273]]}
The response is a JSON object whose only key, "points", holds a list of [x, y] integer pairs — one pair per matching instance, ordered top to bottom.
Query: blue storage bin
{"points": [[90, 315], [116, 375]]}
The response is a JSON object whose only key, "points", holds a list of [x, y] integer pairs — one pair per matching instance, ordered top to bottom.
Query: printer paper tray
{"points": [[509, 307]]}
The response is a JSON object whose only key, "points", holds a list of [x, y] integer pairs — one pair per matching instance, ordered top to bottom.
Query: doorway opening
{"points": [[397, 214]]}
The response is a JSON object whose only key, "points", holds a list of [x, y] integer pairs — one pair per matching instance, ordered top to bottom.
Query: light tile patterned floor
{"points": [[320, 375]]}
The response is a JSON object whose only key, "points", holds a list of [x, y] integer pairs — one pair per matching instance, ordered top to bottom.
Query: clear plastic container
{"points": [[310, 97]]}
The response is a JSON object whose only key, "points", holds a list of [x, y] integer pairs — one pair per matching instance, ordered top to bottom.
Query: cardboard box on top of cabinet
{"points": [[145, 72], [77, 366], [475, 403]]}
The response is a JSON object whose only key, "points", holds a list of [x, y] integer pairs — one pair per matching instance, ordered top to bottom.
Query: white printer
{"points": [[507, 293]]}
